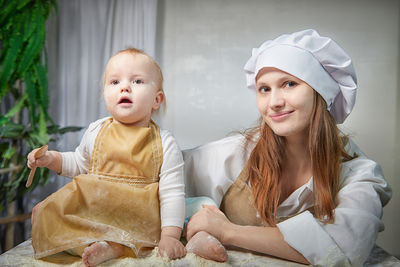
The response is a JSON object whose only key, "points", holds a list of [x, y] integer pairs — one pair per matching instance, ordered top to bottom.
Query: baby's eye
{"points": [[138, 81], [114, 82], [290, 84], [264, 89]]}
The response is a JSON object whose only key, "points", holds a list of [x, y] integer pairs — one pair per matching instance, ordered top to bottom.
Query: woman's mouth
{"points": [[280, 116]]}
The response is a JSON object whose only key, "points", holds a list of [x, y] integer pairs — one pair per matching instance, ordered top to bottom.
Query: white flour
{"points": [[22, 255]]}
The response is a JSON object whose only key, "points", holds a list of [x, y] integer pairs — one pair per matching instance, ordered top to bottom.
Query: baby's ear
{"points": [[158, 100]]}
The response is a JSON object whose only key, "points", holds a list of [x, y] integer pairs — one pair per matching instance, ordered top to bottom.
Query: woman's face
{"points": [[285, 102]]}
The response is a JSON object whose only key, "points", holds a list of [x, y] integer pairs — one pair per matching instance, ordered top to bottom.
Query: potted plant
{"points": [[25, 123]]}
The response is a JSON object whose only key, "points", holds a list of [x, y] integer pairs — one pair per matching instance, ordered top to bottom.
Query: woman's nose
{"points": [[277, 99]]}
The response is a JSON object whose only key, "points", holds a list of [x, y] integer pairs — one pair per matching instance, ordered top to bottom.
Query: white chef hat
{"points": [[316, 60]]}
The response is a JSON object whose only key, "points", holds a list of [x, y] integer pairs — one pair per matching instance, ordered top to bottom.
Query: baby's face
{"points": [[130, 88]]}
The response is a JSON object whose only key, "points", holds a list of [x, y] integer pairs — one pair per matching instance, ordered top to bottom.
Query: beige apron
{"points": [[116, 201], [238, 205]]}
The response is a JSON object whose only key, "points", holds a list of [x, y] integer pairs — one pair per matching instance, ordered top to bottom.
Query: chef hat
{"points": [[316, 60]]}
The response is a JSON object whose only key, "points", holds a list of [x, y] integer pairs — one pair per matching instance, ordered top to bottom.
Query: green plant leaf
{"points": [[22, 3], [7, 7], [31, 18], [33, 48], [23, 59], [8, 65], [41, 76], [31, 92], [14, 110], [3, 120], [11, 130], [43, 136], [3, 148], [9, 153]]}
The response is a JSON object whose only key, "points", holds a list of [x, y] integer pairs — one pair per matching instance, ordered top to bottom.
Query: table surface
{"points": [[22, 255]]}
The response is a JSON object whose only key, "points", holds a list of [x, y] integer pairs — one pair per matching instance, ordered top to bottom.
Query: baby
{"points": [[128, 176], [127, 194]]}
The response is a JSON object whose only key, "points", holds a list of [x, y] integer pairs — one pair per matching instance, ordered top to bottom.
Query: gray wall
{"points": [[202, 46]]}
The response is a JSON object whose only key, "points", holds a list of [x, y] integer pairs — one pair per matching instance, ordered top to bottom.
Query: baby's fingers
{"points": [[31, 159], [42, 161]]}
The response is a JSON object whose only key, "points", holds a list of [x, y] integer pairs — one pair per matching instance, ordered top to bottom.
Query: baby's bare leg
{"points": [[204, 245], [99, 252]]}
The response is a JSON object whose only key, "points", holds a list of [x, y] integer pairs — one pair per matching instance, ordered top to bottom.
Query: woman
{"points": [[294, 188]]}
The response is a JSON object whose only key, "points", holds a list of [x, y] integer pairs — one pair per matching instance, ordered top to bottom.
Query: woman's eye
{"points": [[138, 81], [114, 82], [290, 84], [263, 89]]}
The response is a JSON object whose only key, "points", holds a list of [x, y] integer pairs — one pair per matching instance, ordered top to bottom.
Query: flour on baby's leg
{"points": [[204, 245], [99, 252]]}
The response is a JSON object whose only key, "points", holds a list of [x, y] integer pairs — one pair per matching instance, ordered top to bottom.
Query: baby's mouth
{"points": [[125, 100]]}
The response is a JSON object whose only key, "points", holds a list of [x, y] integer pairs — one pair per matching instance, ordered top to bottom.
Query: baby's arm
{"points": [[51, 160], [172, 198]]}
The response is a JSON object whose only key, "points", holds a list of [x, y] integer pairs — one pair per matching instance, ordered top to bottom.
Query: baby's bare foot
{"points": [[204, 245], [99, 252]]}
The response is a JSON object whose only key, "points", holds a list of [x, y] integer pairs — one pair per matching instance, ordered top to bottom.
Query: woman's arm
{"points": [[351, 237], [267, 240], [347, 241]]}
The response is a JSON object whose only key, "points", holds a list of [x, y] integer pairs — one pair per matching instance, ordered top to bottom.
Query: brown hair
{"points": [[326, 147]]}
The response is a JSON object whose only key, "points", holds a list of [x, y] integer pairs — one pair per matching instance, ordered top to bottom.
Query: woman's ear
{"points": [[158, 100]]}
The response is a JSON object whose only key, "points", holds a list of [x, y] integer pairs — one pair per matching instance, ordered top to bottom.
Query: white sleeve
{"points": [[77, 162], [212, 168], [171, 184], [350, 239]]}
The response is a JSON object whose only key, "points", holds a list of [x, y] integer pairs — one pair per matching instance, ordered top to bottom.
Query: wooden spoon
{"points": [[40, 152]]}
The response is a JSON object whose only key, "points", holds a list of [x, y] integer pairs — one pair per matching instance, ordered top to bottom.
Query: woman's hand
{"points": [[211, 220], [169, 244]]}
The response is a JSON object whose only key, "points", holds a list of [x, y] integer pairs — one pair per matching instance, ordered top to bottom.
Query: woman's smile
{"points": [[280, 116]]}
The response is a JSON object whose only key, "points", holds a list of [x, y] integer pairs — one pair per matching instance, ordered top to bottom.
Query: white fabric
{"points": [[317, 60], [212, 168], [171, 186]]}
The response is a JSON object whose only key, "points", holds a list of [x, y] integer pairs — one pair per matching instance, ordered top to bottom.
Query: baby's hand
{"points": [[41, 161], [171, 247]]}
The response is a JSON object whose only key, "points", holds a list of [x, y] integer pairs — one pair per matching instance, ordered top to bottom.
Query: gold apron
{"points": [[116, 201], [238, 205]]}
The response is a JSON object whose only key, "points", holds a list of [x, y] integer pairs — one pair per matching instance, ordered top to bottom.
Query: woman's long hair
{"points": [[326, 148]]}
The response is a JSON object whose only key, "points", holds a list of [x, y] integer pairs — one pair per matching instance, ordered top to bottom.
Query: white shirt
{"points": [[212, 168], [171, 186]]}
